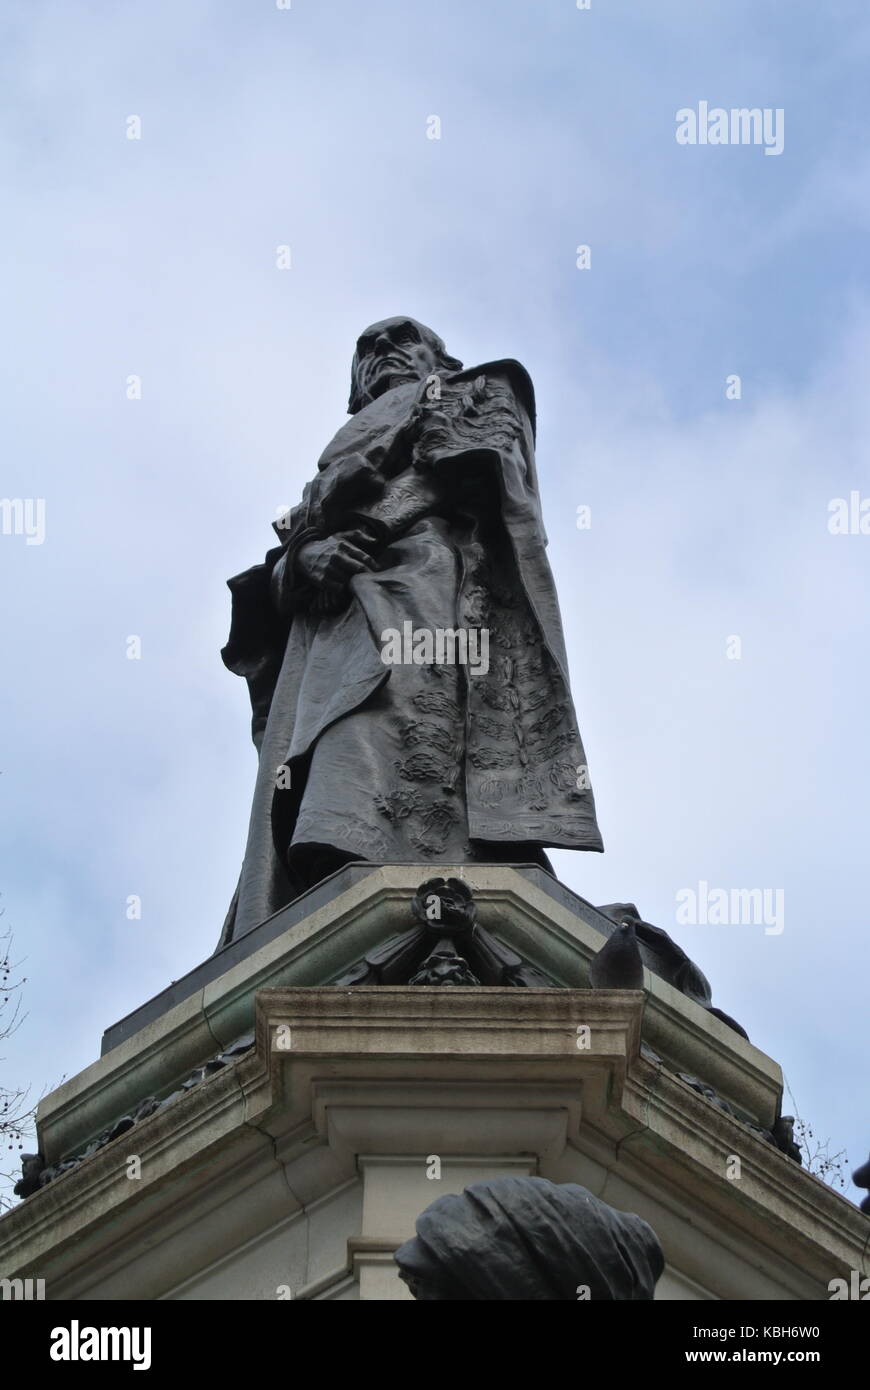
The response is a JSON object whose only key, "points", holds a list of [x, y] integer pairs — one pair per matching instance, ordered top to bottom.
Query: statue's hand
{"points": [[330, 563]]}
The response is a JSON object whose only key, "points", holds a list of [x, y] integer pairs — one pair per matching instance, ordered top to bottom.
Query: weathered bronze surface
{"points": [[402, 645]]}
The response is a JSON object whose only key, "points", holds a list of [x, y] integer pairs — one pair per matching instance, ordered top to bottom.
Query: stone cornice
{"points": [[556, 932], [366, 1071]]}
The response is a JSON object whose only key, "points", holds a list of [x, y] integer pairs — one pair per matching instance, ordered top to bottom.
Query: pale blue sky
{"points": [[307, 127]]}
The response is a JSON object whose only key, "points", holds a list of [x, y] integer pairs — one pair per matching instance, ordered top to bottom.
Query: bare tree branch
{"points": [[831, 1168]]}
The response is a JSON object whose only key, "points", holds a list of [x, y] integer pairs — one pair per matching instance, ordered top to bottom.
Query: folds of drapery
{"points": [[462, 467]]}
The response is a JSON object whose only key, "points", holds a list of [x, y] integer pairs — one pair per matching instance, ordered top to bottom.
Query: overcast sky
{"points": [[156, 257]]}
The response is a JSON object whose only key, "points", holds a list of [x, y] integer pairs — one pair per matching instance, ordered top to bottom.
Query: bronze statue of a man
{"points": [[402, 645]]}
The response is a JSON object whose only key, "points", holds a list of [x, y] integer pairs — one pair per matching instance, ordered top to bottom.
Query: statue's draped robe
{"points": [[405, 762]]}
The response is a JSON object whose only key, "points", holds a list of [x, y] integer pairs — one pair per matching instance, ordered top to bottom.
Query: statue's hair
{"points": [[444, 361]]}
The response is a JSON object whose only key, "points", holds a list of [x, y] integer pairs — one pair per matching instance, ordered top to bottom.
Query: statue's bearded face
{"points": [[391, 353]]}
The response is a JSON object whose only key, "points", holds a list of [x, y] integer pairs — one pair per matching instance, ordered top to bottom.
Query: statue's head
{"points": [[392, 352], [445, 906], [526, 1239]]}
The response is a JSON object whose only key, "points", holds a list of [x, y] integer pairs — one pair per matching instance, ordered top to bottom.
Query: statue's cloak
{"points": [[408, 762]]}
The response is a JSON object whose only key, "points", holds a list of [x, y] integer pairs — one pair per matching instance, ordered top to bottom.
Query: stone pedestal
{"points": [[294, 1165]]}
